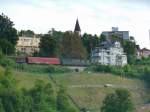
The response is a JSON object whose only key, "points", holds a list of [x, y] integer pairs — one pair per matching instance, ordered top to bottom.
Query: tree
{"points": [[28, 33], [56, 34], [8, 35], [102, 38], [89, 42], [48, 46], [72, 47], [130, 49], [4, 61], [146, 76], [8, 94], [43, 97], [50, 97], [24, 102], [118, 102], [63, 103], [1, 106]]}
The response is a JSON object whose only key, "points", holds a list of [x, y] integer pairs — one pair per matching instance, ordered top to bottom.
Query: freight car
{"points": [[38, 60], [42, 60], [52, 61]]}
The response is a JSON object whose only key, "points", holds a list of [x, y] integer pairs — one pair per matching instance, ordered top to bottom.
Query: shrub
{"points": [[5, 62], [58, 69], [1, 71], [127, 71], [146, 76], [119, 101]]}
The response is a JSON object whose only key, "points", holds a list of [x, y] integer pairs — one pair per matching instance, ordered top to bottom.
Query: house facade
{"points": [[28, 45], [145, 53], [109, 54]]}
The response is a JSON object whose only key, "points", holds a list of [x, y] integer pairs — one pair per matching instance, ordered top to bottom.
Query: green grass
{"points": [[32, 68], [27, 80], [88, 90]]}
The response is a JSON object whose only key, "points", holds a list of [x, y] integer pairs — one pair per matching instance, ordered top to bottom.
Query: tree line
{"points": [[58, 44]]}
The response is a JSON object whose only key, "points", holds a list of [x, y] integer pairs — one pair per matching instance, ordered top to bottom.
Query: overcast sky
{"points": [[94, 16]]}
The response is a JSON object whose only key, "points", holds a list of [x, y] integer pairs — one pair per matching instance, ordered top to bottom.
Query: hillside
{"points": [[27, 80], [87, 89]]}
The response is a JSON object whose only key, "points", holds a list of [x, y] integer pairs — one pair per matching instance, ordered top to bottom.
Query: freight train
{"points": [[51, 61]]}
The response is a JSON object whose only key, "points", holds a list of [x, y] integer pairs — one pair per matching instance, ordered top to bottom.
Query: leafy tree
{"points": [[28, 33], [56, 34], [8, 35], [102, 38], [89, 42], [6, 46], [48, 46], [72, 47], [129, 47], [130, 50], [131, 59], [5, 62], [1, 72], [146, 76], [7, 79], [8, 94], [37, 94], [50, 97], [43, 98], [24, 102], [118, 102], [63, 103], [1, 106]]}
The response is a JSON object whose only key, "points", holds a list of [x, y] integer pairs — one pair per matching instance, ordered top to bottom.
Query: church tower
{"points": [[77, 28]]}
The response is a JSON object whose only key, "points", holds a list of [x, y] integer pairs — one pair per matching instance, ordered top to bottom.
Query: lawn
{"points": [[27, 80], [88, 91]]}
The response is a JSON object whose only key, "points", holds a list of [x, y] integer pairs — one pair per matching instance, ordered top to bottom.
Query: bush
{"points": [[143, 61], [5, 62], [32, 68], [58, 69], [1, 71], [127, 71], [146, 76], [120, 101], [63, 102]]}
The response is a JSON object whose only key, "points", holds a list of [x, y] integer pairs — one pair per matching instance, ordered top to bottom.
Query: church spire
{"points": [[77, 27]]}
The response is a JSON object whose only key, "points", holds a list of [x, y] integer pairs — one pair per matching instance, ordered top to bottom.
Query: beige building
{"points": [[28, 45]]}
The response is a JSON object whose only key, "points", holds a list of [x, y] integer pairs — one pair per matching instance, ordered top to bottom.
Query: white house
{"points": [[109, 54]]}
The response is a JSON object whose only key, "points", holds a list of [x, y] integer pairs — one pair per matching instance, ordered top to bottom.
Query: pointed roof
{"points": [[77, 27]]}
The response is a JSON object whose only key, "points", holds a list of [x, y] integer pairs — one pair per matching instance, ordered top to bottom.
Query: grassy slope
{"points": [[27, 80], [88, 97], [92, 97]]}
